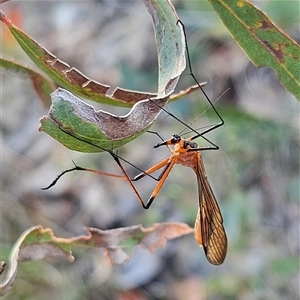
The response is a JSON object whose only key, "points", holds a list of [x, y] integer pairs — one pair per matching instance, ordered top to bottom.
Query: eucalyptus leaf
{"points": [[263, 42], [79, 127]]}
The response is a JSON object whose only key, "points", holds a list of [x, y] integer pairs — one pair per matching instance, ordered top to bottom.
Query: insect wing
{"points": [[209, 230]]}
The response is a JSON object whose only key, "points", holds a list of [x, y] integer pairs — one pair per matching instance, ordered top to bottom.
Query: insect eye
{"points": [[175, 139], [190, 144]]}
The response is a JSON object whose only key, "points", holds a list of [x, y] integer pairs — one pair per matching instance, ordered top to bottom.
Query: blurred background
{"points": [[255, 174]]}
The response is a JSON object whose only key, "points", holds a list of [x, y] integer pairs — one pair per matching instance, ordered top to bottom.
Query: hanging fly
{"points": [[209, 230]]}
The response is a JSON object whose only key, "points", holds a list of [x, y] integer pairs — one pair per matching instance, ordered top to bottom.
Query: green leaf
{"points": [[263, 42], [170, 44], [171, 60], [67, 76], [42, 84], [68, 120], [76, 124], [79, 127]]}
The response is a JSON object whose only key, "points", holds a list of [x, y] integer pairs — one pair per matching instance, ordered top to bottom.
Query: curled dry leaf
{"points": [[76, 125], [100, 128], [157, 235], [120, 242], [38, 243], [34, 244]]}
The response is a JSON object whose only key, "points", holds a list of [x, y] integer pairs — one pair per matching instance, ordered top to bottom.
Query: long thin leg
{"points": [[207, 98], [197, 134], [214, 146], [106, 150], [77, 168], [153, 169], [162, 178], [160, 183]]}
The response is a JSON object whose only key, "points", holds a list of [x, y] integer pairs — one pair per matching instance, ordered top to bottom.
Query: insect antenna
{"points": [[198, 117], [156, 133]]}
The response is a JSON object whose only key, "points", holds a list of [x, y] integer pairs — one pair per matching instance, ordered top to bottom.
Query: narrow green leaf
{"points": [[263, 42], [170, 44], [170, 54], [69, 77], [42, 84]]}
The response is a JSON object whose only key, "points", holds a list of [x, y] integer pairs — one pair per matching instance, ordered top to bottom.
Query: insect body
{"points": [[209, 231]]}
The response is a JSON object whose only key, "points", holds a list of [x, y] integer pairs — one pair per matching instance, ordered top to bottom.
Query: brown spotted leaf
{"points": [[263, 42]]}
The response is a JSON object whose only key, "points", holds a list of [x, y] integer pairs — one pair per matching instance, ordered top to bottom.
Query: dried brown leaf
{"points": [[38, 243]]}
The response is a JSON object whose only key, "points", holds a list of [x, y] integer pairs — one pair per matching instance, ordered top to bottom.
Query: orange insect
{"points": [[209, 230]]}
